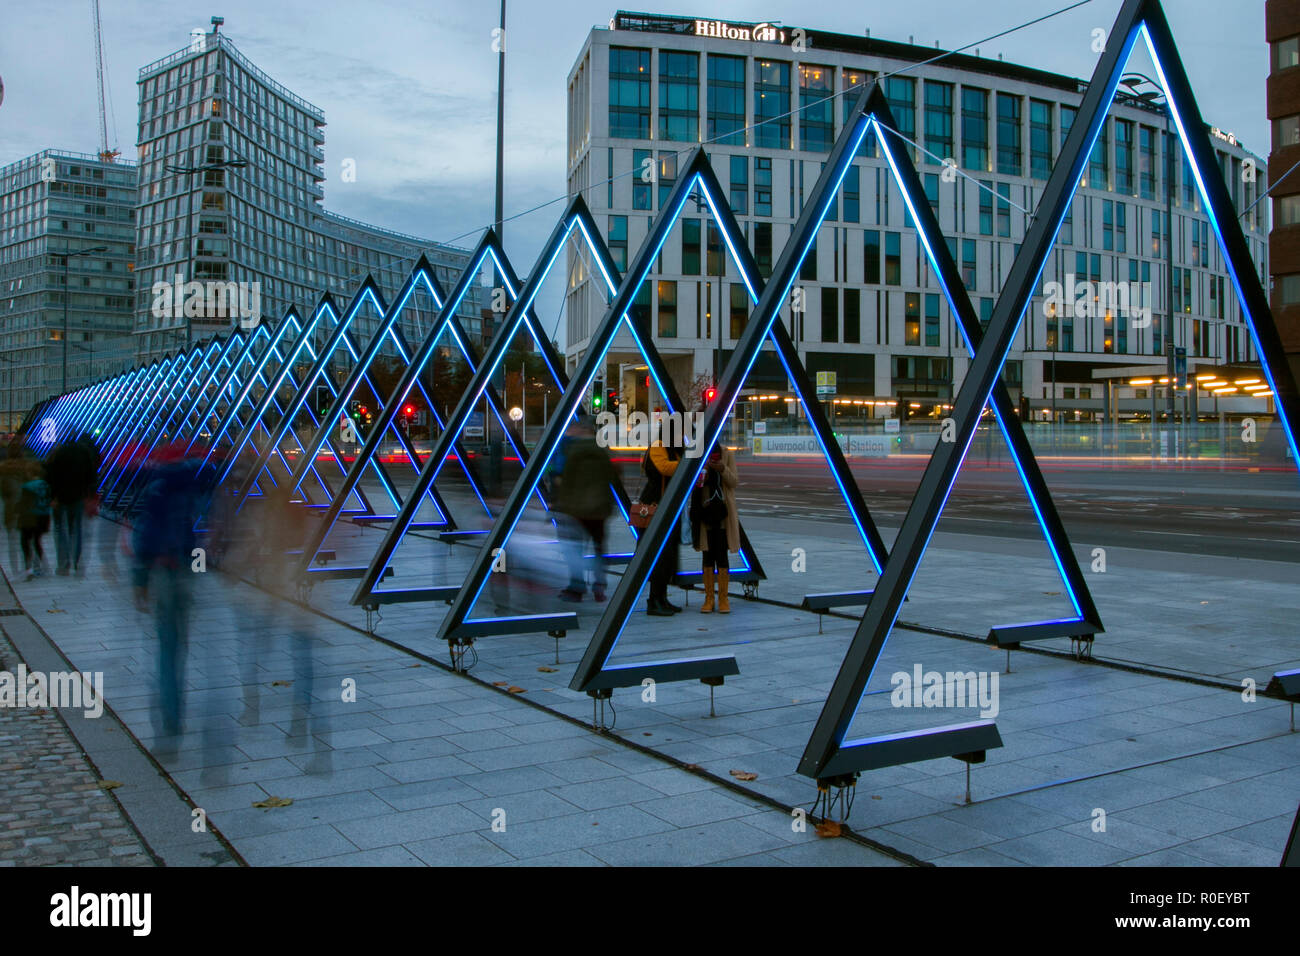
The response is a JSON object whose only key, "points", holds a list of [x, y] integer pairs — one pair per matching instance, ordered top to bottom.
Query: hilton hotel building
{"points": [[647, 88]]}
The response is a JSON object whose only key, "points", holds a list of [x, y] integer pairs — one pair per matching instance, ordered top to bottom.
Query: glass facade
{"points": [[867, 285]]}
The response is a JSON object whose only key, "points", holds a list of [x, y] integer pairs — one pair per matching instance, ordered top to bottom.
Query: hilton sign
{"points": [[758, 33]]}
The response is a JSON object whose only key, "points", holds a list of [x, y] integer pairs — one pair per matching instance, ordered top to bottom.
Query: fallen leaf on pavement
{"points": [[547, 670], [281, 683], [499, 683], [515, 690], [744, 775], [109, 784], [270, 802], [828, 829]]}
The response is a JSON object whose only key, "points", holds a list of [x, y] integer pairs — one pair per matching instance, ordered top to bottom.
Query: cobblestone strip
{"points": [[53, 811]]}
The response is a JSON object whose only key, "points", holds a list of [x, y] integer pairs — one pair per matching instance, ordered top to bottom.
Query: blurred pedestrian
{"points": [[658, 464], [12, 476], [72, 480], [585, 499], [33, 517], [715, 527], [162, 544]]}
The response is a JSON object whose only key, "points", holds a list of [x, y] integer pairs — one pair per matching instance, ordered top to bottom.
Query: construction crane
{"points": [[105, 154]]}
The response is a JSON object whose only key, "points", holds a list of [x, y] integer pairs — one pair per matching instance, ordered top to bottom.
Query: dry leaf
{"points": [[59, 610], [413, 665], [547, 670], [281, 683], [500, 683], [515, 690], [692, 766], [744, 775], [109, 784], [876, 796], [270, 802], [828, 829]]}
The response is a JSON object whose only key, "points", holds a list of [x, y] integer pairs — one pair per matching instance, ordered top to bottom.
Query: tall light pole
{"points": [[1133, 81], [501, 122], [189, 172], [68, 254]]}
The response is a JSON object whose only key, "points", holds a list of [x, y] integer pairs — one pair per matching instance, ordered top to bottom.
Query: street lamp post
{"points": [[189, 172], [67, 254]]}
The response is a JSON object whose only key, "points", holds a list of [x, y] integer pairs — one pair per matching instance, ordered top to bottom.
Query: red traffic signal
{"points": [[710, 394], [409, 410]]}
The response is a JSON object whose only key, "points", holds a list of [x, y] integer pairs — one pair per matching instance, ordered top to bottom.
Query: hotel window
{"points": [[1286, 53], [851, 84], [900, 91], [629, 93], [679, 96], [726, 100], [772, 105], [816, 108], [938, 121], [1067, 121], [975, 128], [1286, 131], [1040, 139], [1010, 157], [1124, 157], [1099, 161], [1146, 162], [667, 175], [642, 178], [930, 182], [762, 186], [1189, 186], [852, 195], [739, 196], [986, 208], [1004, 210], [1288, 210], [1108, 225], [1121, 227], [1066, 237], [1156, 245], [690, 247], [763, 248], [871, 257], [893, 259], [716, 262], [969, 272], [667, 309], [739, 310], [830, 314], [852, 316], [986, 316], [912, 318], [931, 320]]}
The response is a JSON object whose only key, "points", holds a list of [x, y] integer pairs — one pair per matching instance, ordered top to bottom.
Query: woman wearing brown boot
{"points": [[715, 530]]}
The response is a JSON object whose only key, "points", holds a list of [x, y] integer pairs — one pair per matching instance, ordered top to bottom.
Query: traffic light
{"points": [[710, 394], [611, 399], [596, 402], [354, 409], [409, 411]]}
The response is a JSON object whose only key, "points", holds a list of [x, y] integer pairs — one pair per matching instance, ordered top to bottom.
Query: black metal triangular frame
{"points": [[828, 755]]}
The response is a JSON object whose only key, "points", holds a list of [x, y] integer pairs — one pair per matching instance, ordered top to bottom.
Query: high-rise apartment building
{"points": [[1282, 24], [768, 103], [204, 109], [67, 246]]}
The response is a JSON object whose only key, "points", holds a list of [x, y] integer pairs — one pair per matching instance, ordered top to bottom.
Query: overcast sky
{"points": [[409, 89]]}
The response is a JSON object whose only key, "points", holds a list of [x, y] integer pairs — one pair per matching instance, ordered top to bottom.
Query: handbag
{"points": [[714, 511], [639, 515]]}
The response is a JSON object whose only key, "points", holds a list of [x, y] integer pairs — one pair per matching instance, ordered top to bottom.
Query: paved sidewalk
{"points": [[423, 767]]}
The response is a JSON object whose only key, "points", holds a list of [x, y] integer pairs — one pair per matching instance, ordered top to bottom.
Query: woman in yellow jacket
{"points": [[658, 465], [715, 527]]}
